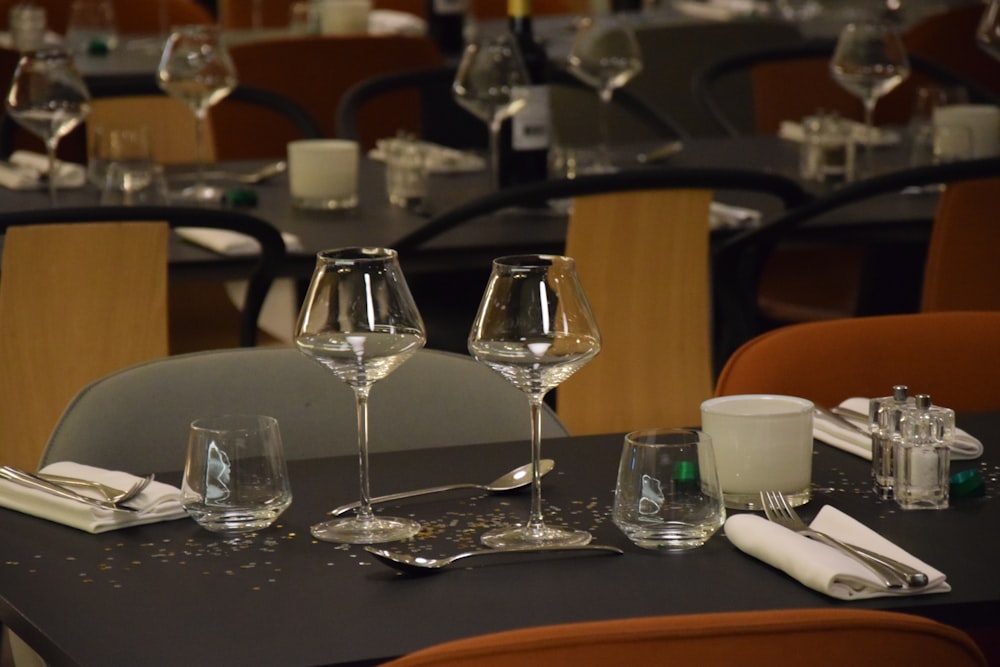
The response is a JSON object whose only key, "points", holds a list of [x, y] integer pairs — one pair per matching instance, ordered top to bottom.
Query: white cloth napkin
{"points": [[721, 10], [392, 22], [792, 131], [440, 159], [68, 174], [13, 177], [724, 216], [226, 242], [840, 436], [157, 502], [823, 568]]}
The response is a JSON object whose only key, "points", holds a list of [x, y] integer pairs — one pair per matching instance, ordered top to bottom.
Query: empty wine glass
{"points": [[988, 30], [605, 55], [869, 61], [196, 69], [491, 84], [48, 98], [359, 321], [535, 328]]}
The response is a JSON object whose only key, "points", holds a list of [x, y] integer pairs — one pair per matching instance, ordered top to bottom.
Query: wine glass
{"points": [[988, 30], [605, 55], [869, 61], [196, 69], [491, 84], [48, 98], [359, 321], [535, 328]]}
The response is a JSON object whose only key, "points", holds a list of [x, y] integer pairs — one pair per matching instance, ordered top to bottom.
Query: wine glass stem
{"points": [[869, 105], [200, 115], [50, 149], [495, 153], [603, 155], [365, 508], [535, 522]]}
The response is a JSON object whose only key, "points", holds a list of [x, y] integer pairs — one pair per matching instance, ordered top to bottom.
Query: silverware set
{"points": [[58, 485]]}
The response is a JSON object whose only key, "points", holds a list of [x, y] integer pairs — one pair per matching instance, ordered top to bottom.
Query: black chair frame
{"points": [[260, 276]]}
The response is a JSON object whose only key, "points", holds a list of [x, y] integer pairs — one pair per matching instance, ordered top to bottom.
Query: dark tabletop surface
{"points": [[172, 594]]}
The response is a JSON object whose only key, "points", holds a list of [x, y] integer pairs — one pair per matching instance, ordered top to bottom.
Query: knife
{"points": [[34, 482]]}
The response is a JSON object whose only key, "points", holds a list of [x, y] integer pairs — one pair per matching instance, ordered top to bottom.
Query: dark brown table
{"points": [[173, 594]]}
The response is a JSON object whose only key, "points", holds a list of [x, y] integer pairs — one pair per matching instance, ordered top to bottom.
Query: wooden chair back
{"points": [[171, 125], [643, 259], [962, 271], [77, 301], [951, 356], [816, 637]]}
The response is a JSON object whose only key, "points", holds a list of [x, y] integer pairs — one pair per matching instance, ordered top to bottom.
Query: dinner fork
{"points": [[111, 494], [893, 573]]}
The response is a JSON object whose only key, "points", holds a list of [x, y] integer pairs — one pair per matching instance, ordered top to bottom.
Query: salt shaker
{"points": [[883, 422], [922, 451]]}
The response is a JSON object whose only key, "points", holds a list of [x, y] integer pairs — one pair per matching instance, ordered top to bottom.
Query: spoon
{"points": [[661, 153], [249, 178], [515, 479], [111, 494], [422, 565]]}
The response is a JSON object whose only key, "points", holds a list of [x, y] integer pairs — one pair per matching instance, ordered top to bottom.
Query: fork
{"points": [[111, 494], [893, 573]]}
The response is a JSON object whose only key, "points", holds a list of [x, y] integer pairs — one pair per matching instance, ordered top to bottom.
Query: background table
{"points": [[171, 593]]}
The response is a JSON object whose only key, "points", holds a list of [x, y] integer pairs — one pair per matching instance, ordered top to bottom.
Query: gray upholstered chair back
{"points": [[137, 419]]}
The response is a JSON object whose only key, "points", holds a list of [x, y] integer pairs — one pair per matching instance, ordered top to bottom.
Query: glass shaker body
{"points": [[922, 451]]}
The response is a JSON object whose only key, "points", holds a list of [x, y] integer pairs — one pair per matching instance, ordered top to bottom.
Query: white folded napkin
{"points": [[721, 10], [392, 22], [792, 131], [440, 159], [68, 174], [13, 177], [724, 216], [226, 242], [840, 436], [157, 502], [821, 567]]}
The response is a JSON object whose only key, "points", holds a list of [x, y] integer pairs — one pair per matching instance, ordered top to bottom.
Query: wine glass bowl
{"points": [[988, 30], [605, 55], [869, 61], [196, 69], [491, 84], [49, 98], [359, 321], [535, 328]]}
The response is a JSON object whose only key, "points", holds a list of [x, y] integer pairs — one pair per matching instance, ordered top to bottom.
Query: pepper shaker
{"points": [[883, 422], [922, 450]]}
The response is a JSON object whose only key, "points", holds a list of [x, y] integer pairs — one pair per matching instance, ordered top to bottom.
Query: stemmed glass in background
{"points": [[988, 30], [605, 55], [869, 61], [196, 69], [491, 84], [48, 98], [359, 321], [535, 328]]}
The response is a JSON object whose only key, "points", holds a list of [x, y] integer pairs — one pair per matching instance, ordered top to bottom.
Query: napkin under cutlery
{"points": [[721, 10], [394, 22], [792, 131], [440, 159], [25, 171], [725, 216], [227, 242], [841, 436], [157, 502], [823, 568]]}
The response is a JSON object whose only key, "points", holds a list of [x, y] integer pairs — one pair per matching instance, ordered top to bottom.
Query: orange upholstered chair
{"points": [[131, 16], [962, 271], [951, 356], [779, 638]]}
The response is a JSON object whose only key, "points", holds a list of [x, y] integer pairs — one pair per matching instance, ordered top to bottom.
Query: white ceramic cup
{"points": [[344, 17], [983, 121], [323, 173], [763, 442]]}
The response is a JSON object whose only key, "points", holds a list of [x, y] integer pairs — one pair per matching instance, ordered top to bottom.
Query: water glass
{"points": [[344, 17], [27, 26], [828, 150], [405, 172], [323, 173], [763, 442], [235, 480], [668, 496]]}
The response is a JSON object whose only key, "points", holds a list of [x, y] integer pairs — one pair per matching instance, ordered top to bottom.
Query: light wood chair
{"points": [[170, 123], [962, 271], [77, 302], [776, 638]]}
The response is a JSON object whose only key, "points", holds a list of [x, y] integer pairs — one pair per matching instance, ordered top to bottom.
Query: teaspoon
{"points": [[515, 479], [421, 565]]}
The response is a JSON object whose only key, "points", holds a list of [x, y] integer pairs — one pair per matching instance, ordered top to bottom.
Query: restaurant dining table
{"points": [[172, 593]]}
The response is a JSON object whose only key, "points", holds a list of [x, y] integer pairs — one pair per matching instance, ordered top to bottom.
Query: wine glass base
{"points": [[199, 194], [354, 530], [534, 536]]}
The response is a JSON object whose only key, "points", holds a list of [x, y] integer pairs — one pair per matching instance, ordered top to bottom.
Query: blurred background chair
{"points": [[239, 14], [131, 16], [315, 71], [641, 244], [949, 355], [154, 403], [778, 638]]}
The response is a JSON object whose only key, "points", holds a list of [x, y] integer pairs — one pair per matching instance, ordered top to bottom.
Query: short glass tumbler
{"points": [[235, 479], [668, 496]]}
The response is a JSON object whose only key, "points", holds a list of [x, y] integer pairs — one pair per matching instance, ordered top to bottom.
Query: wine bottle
{"points": [[445, 23], [524, 139]]}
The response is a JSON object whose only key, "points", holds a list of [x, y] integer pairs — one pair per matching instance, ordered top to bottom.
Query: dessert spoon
{"points": [[515, 479], [422, 565]]}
